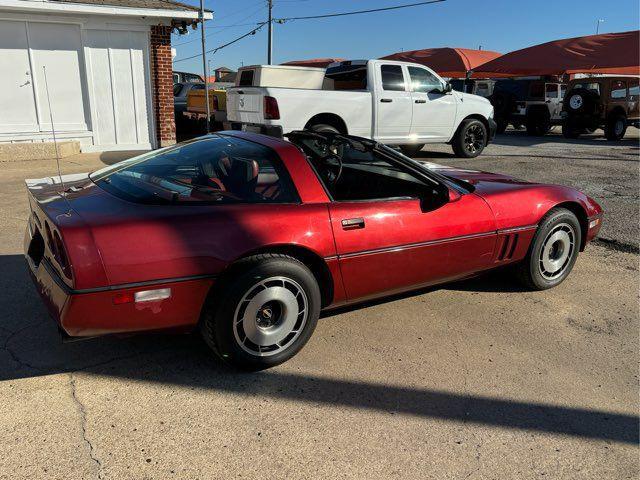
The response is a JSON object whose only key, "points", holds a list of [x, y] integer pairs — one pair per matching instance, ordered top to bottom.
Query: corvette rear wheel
{"points": [[553, 251], [263, 313]]}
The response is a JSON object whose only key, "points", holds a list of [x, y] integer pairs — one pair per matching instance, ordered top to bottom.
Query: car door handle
{"points": [[386, 100], [421, 101], [352, 223]]}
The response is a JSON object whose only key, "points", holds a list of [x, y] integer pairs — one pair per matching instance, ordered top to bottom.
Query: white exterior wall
{"points": [[98, 74]]}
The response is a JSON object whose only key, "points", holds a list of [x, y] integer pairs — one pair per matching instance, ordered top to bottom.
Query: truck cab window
{"points": [[392, 78], [423, 80]]}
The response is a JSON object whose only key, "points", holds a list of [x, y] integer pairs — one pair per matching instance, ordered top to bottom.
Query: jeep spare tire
{"points": [[581, 100]]}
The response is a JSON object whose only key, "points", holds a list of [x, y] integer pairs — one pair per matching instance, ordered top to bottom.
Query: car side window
{"points": [[392, 78], [423, 80], [619, 89], [536, 90], [551, 90], [563, 90], [634, 90], [207, 170], [356, 174]]}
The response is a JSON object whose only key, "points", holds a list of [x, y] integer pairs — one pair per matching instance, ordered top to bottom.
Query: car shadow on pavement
{"points": [[522, 139], [30, 347]]}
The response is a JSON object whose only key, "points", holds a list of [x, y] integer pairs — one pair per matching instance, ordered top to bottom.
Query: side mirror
{"points": [[447, 88]]}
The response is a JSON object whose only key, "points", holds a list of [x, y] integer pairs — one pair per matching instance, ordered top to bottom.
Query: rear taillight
{"points": [[271, 110], [61, 255]]}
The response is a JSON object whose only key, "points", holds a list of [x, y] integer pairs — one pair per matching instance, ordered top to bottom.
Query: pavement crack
{"points": [[13, 354], [83, 417]]}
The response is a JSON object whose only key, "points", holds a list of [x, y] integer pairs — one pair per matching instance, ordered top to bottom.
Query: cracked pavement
{"points": [[471, 380]]}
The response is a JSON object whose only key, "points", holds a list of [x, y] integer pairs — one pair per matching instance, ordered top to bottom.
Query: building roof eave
{"points": [[80, 8]]}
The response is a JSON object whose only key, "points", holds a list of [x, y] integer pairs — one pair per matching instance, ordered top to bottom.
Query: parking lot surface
{"points": [[477, 379]]}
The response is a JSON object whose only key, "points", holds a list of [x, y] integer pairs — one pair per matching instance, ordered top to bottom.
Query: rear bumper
{"points": [[271, 130], [91, 312]]}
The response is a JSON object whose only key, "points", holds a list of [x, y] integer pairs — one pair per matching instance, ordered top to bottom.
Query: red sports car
{"points": [[247, 237]]}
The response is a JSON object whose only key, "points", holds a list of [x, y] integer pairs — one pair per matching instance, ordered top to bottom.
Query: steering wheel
{"points": [[332, 168]]}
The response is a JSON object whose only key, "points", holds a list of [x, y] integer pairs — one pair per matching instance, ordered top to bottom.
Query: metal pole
{"points": [[270, 41], [204, 65]]}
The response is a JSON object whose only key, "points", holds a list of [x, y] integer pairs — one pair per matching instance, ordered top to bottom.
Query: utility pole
{"points": [[601, 20], [270, 41], [204, 64]]}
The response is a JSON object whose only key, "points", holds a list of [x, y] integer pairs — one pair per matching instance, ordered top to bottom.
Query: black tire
{"points": [[581, 100], [538, 122], [323, 127], [616, 127], [569, 131], [470, 139], [411, 150], [531, 271], [238, 289]]}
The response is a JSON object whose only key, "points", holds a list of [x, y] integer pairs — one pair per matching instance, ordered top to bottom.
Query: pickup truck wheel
{"points": [[323, 127], [616, 127], [470, 139], [411, 150], [553, 251], [263, 313]]}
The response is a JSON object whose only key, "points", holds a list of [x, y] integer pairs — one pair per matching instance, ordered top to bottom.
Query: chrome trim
{"points": [[517, 229], [407, 246]]}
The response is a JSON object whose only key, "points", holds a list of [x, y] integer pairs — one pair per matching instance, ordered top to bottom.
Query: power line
{"points": [[357, 12], [225, 27], [214, 50]]}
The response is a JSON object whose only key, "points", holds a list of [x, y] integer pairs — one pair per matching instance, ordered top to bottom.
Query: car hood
{"points": [[479, 181], [516, 202]]}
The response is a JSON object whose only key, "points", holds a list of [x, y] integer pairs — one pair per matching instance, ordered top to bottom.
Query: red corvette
{"points": [[247, 237]]}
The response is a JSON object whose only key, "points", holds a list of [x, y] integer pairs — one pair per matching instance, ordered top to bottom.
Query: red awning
{"points": [[612, 53], [314, 62], [446, 62]]}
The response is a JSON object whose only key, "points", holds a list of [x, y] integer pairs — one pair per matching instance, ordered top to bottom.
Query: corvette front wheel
{"points": [[553, 251], [264, 312]]}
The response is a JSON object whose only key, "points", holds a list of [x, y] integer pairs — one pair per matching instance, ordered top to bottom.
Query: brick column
{"points": [[162, 81]]}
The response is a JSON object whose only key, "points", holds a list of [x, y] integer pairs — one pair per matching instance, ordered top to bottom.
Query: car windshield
{"points": [[213, 169]]}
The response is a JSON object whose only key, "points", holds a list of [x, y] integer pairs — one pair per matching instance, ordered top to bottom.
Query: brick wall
{"points": [[162, 81]]}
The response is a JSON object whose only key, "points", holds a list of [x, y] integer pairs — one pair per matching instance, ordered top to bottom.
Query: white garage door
{"points": [[25, 48], [117, 64]]}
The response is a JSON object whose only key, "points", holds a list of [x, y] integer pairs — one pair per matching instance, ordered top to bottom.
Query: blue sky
{"points": [[501, 25]]}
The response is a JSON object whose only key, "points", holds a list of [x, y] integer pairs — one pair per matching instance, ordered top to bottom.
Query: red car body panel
{"points": [[116, 247]]}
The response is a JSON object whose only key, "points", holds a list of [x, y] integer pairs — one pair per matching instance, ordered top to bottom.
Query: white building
{"points": [[108, 67]]}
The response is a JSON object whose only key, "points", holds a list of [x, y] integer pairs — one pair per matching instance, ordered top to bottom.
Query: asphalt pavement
{"points": [[477, 379]]}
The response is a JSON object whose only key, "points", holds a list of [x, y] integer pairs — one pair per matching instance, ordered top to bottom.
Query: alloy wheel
{"points": [[474, 138], [557, 250], [270, 316]]}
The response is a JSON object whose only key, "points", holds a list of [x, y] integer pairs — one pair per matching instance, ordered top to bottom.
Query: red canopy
{"points": [[613, 53], [314, 62], [447, 62]]}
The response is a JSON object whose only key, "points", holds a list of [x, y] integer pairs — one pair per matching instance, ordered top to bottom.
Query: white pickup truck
{"points": [[396, 103]]}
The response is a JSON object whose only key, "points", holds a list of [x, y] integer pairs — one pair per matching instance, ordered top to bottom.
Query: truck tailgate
{"points": [[245, 104]]}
